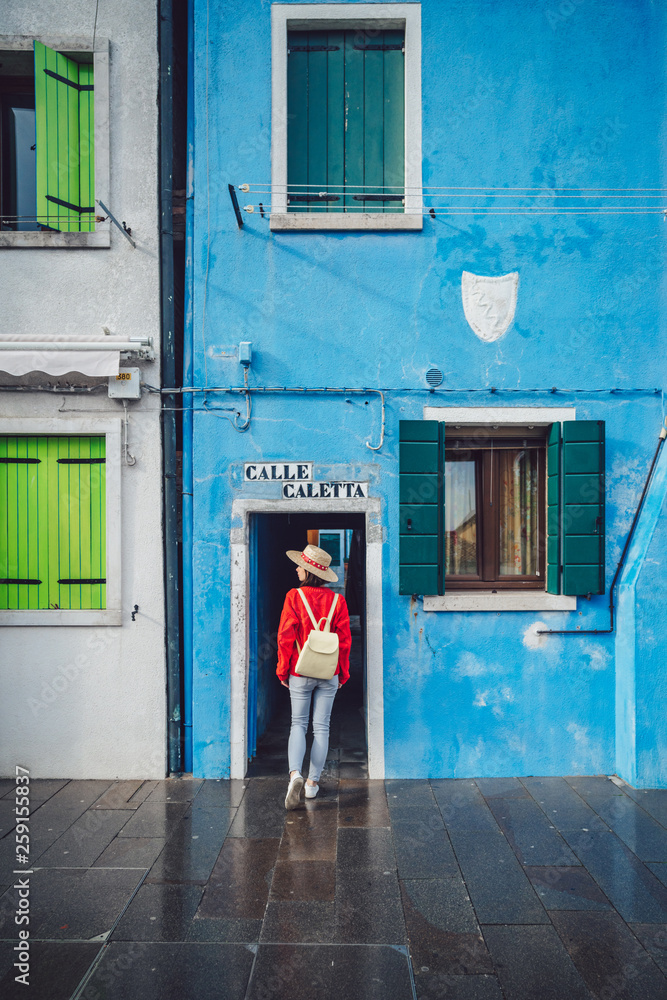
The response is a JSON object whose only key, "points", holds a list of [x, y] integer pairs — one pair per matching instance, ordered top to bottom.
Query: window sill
{"points": [[291, 221], [31, 240], [508, 600], [103, 616]]}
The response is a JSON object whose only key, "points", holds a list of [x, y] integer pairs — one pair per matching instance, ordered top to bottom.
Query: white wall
{"points": [[90, 702]]}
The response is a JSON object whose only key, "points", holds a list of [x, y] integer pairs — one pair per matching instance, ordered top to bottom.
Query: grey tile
{"points": [[7, 787], [505, 788], [42, 789], [176, 789], [408, 792], [219, 794], [125, 795], [652, 800], [362, 803], [562, 805], [463, 806], [60, 811], [261, 812], [7, 816], [154, 818], [310, 834], [643, 835], [534, 840], [84, 841], [193, 846], [365, 847], [422, 847], [130, 852], [659, 869], [304, 881], [239, 884], [498, 886], [567, 889], [632, 889], [72, 903], [368, 907], [159, 913], [298, 922], [442, 928], [231, 929], [654, 938], [609, 957], [532, 964], [56, 969], [171, 971], [302, 972], [442, 986]]}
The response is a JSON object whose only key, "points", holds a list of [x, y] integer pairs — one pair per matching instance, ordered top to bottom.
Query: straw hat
{"points": [[314, 560]]}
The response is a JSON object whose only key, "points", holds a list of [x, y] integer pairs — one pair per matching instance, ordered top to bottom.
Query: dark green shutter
{"points": [[345, 113], [64, 125], [583, 507], [553, 510], [421, 511], [52, 523]]}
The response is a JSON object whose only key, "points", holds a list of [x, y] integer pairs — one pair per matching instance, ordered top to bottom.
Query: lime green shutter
{"points": [[345, 112], [64, 124], [583, 507], [421, 510], [553, 510], [52, 523]]}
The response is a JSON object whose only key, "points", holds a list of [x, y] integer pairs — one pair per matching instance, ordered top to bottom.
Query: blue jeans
{"points": [[323, 693]]}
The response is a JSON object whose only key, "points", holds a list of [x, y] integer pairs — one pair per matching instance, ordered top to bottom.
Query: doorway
{"points": [[272, 574]]}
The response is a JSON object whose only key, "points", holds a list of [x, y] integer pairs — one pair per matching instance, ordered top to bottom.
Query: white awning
{"points": [[57, 355]]}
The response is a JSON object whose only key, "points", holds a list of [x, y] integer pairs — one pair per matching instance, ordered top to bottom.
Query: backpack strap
{"points": [[308, 607], [327, 627]]}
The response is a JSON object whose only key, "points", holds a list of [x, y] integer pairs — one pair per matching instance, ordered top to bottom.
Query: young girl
{"points": [[313, 569]]}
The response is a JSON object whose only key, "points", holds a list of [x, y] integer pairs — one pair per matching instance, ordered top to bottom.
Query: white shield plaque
{"points": [[489, 303]]}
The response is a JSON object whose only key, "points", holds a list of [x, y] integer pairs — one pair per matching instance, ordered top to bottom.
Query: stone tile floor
{"points": [[524, 889]]}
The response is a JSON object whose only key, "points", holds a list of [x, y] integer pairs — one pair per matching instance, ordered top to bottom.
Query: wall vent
{"points": [[433, 377]]}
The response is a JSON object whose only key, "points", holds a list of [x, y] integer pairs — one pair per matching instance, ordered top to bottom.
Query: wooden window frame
{"points": [[336, 16], [72, 46], [110, 427], [488, 527]]}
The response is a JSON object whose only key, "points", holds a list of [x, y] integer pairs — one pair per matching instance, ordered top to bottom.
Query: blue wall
{"points": [[513, 94]]}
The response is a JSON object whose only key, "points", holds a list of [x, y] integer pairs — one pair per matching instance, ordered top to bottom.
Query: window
{"points": [[346, 116], [345, 121], [53, 157], [512, 505], [58, 511], [494, 529]]}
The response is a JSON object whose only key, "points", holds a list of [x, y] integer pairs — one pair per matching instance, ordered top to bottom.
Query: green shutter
{"points": [[345, 112], [64, 124], [583, 498], [553, 510], [421, 512], [52, 523]]}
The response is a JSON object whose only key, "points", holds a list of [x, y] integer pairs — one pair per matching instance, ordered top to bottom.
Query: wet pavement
{"points": [[523, 889]]}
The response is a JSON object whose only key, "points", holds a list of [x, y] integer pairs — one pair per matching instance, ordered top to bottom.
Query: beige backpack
{"points": [[319, 656]]}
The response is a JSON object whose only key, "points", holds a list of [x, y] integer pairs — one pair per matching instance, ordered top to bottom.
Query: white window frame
{"points": [[285, 17], [102, 235], [500, 416], [78, 427]]}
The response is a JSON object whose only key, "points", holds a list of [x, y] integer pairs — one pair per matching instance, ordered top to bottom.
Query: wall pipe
{"points": [[168, 375], [188, 477]]}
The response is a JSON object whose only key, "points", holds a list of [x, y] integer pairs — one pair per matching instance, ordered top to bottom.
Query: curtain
{"points": [[517, 474], [460, 518]]}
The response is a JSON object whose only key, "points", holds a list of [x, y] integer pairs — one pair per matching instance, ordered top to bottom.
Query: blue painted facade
{"points": [[513, 94]]}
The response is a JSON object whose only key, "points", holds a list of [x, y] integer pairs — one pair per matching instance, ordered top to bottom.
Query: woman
{"points": [[312, 569]]}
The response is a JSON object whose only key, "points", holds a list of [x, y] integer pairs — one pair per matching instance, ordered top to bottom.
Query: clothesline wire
{"points": [[441, 187]]}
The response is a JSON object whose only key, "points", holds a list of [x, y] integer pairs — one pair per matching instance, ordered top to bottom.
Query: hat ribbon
{"points": [[312, 561]]}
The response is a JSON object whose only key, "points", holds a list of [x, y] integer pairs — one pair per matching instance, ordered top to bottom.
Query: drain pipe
{"points": [[168, 373], [188, 479], [621, 561]]}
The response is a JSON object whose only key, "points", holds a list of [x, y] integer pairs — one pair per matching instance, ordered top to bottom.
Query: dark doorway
{"points": [[272, 574]]}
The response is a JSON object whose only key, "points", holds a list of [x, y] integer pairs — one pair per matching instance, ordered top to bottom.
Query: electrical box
{"points": [[245, 353], [126, 384]]}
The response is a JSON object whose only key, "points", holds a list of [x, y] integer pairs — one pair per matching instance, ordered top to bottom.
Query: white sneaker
{"points": [[311, 791], [294, 792]]}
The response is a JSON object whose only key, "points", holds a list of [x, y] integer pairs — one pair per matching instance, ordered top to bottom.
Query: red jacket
{"points": [[295, 624]]}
